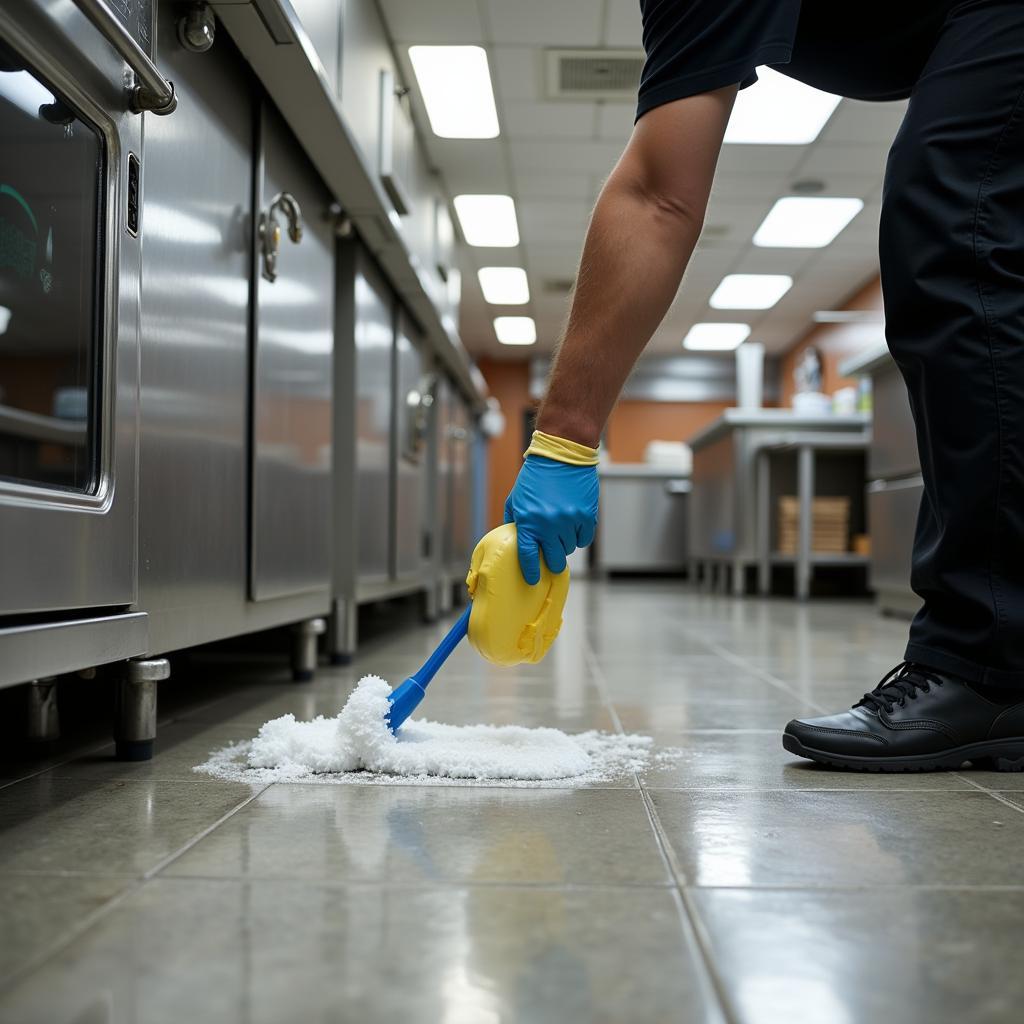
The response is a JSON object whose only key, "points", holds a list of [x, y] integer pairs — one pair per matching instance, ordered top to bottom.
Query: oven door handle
{"points": [[152, 91]]}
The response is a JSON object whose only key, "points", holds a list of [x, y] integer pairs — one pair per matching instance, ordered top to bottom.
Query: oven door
{"points": [[69, 300]]}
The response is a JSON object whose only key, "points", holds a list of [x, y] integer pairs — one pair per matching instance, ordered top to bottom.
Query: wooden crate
{"points": [[830, 525]]}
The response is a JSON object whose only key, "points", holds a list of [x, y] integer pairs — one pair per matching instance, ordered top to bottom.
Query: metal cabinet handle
{"points": [[152, 91], [270, 230], [419, 403], [677, 486]]}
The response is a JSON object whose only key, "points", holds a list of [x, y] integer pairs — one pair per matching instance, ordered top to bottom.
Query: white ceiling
{"points": [[552, 157]]}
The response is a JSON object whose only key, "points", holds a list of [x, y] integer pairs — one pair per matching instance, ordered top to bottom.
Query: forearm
{"points": [[642, 233], [633, 260]]}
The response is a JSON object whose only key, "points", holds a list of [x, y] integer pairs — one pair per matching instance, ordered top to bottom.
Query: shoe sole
{"points": [[995, 755]]}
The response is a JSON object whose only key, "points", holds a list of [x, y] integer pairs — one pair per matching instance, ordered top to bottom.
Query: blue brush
{"points": [[406, 698]]}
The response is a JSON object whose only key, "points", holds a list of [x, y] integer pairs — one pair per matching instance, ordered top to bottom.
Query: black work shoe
{"points": [[918, 720]]}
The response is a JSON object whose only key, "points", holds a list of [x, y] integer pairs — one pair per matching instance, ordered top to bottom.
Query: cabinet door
{"points": [[69, 300], [294, 334], [374, 337], [411, 412], [462, 482]]}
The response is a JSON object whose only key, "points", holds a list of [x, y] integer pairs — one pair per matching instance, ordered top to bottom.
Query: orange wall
{"points": [[837, 343], [509, 383], [634, 423], [631, 425]]}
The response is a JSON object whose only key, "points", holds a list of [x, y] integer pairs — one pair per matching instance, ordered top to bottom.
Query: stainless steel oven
{"points": [[71, 179]]}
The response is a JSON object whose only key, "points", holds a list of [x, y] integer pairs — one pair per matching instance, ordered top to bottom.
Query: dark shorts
{"points": [[870, 50]]}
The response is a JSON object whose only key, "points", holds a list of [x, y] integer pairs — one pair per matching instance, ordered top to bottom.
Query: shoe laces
{"points": [[903, 683]]}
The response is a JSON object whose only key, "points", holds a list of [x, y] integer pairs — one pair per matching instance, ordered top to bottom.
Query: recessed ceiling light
{"points": [[455, 82], [779, 111], [488, 220], [805, 222], [504, 286], [750, 291], [5, 318], [515, 330], [710, 337]]}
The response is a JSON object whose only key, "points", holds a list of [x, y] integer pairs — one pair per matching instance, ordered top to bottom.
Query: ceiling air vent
{"points": [[594, 74]]}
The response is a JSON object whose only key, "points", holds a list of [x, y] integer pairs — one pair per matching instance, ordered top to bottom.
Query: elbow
{"points": [[674, 206]]}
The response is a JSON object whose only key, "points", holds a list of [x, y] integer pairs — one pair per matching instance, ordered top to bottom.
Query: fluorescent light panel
{"points": [[455, 82], [779, 111], [488, 220], [804, 222], [504, 286], [750, 291], [515, 330], [713, 337]]}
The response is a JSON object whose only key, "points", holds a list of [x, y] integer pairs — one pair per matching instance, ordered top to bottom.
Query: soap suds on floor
{"points": [[357, 746]]}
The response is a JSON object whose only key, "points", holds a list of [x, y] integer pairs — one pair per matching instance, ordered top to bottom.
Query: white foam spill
{"points": [[357, 746]]}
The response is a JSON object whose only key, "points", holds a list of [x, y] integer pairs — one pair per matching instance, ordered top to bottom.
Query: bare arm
{"points": [[642, 233]]}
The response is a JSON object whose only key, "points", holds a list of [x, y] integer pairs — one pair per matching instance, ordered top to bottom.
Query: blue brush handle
{"points": [[444, 648], [405, 698]]}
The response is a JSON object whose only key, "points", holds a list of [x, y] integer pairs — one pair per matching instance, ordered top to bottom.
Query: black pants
{"points": [[952, 261]]}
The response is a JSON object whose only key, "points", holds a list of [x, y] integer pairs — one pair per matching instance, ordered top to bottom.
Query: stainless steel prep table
{"points": [[724, 520]]}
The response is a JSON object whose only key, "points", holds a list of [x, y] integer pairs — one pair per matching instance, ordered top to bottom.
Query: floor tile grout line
{"points": [[763, 674], [72, 757], [995, 794], [196, 839], [687, 918], [78, 929]]}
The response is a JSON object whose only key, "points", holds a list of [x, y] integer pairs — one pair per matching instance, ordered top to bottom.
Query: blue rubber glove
{"points": [[554, 507]]}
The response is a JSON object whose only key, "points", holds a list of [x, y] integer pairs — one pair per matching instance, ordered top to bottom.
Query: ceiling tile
{"points": [[438, 22], [543, 23], [622, 26], [518, 72], [529, 119], [615, 121], [564, 154], [553, 185]]}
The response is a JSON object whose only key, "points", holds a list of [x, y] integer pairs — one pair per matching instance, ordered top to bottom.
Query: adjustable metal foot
{"points": [[444, 596], [430, 603], [342, 632], [304, 648], [135, 708], [42, 720]]}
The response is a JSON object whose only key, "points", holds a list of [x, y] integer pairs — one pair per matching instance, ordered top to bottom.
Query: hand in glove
{"points": [[553, 503]]}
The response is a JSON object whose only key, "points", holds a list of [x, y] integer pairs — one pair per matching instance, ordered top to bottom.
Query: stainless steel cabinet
{"points": [[197, 222], [69, 298], [374, 339], [293, 340], [412, 411], [460, 514], [234, 531]]}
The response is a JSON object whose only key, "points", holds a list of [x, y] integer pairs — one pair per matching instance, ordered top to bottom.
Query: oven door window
{"points": [[51, 210]]}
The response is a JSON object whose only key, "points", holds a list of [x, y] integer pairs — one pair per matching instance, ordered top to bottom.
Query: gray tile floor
{"points": [[732, 885]]}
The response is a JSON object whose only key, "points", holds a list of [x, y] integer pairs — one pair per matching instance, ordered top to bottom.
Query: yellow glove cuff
{"points": [[561, 450]]}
